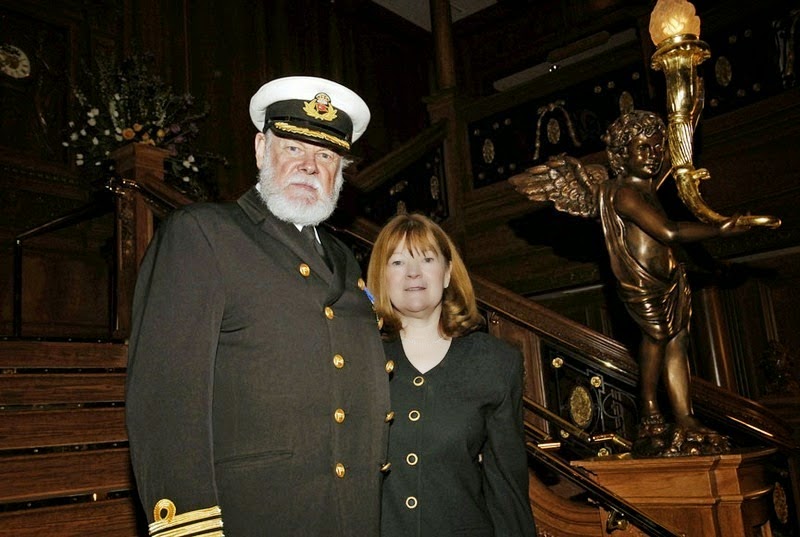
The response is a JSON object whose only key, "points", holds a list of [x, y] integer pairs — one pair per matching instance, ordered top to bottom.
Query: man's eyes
{"points": [[299, 151]]}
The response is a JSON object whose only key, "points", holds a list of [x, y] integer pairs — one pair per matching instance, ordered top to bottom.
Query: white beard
{"points": [[302, 212]]}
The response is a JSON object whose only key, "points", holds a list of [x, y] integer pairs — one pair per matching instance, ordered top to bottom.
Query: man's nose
{"points": [[308, 165]]}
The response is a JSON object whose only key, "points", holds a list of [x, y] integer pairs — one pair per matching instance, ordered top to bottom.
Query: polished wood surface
{"points": [[64, 460], [722, 495]]}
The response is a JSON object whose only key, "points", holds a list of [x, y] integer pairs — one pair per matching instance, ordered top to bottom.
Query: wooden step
{"points": [[64, 459]]}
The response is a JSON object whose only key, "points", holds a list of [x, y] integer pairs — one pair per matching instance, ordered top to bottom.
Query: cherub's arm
{"points": [[630, 205]]}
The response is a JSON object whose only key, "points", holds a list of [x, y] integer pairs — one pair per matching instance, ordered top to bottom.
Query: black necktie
{"points": [[308, 232]]}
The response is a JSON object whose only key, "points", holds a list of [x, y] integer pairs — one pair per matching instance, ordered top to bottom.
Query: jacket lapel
{"points": [[288, 234]]}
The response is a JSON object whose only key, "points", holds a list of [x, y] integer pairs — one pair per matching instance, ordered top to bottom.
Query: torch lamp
{"points": [[675, 30]]}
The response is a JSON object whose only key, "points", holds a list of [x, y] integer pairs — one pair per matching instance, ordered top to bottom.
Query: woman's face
{"points": [[416, 281]]}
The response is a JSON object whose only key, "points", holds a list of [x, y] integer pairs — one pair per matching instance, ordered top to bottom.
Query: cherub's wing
{"points": [[564, 180]]}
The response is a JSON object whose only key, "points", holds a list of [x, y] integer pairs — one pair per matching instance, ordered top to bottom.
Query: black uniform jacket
{"points": [[256, 378], [459, 466]]}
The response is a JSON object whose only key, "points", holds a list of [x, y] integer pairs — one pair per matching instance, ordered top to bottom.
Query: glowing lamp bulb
{"points": [[673, 17]]}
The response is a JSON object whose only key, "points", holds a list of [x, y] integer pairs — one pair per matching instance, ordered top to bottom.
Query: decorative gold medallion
{"points": [[723, 71], [626, 103], [320, 107], [553, 131], [488, 151], [580, 407], [780, 503]]}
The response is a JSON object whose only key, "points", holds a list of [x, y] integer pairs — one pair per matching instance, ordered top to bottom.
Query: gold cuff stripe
{"points": [[309, 132], [201, 522], [194, 531]]}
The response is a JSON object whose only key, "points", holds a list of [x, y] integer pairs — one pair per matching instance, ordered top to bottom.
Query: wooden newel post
{"points": [[136, 164]]}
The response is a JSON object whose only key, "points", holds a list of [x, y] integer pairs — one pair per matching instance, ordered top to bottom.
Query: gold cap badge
{"points": [[320, 107]]}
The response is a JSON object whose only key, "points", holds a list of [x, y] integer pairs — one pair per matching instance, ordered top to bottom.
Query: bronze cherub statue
{"points": [[650, 281]]}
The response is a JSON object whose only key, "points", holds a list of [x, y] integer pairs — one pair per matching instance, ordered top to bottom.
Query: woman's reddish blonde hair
{"points": [[459, 310]]}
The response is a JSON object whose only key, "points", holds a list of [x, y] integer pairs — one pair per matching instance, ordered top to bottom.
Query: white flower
{"points": [[116, 96], [94, 112], [92, 122], [71, 124], [83, 132], [106, 132], [73, 136], [117, 137], [95, 141], [65, 144], [79, 156], [190, 158], [78, 162], [186, 164], [194, 169], [186, 179]]}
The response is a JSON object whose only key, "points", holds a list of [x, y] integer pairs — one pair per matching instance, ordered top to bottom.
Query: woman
{"points": [[456, 444]]}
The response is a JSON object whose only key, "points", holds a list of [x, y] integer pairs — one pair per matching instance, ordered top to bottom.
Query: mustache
{"points": [[302, 180]]}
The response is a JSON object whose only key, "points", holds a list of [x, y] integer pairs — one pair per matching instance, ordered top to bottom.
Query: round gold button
{"points": [[304, 270], [361, 284], [328, 312], [338, 361], [389, 366], [418, 381], [338, 415], [414, 415], [389, 416], [412, 459], [339, 469], [411, 502]]}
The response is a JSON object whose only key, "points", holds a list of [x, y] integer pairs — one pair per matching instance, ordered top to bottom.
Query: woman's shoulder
{"points": [[489, 347]]}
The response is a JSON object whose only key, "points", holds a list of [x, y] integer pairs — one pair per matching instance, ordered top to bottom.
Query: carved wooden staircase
{"points": [[64, 466]]}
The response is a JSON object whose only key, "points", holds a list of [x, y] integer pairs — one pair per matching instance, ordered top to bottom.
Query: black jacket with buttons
{"points": [[244, 346], [456, 445]]}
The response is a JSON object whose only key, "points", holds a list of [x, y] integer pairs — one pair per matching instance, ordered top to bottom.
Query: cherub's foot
{"points": [[652, 425], [686, 437]]}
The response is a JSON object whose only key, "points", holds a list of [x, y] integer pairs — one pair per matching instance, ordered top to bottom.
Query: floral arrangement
{"points": [[128, 103]]}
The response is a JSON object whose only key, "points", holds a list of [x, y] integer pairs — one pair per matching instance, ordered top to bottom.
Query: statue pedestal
{"points": [[715, 495]]}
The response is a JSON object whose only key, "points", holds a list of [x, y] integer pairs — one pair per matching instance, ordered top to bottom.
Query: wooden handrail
{"points": [[379, 172], [96, 207]]}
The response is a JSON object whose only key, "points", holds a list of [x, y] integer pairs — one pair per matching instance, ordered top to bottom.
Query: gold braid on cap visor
{"points": [[282, 125]]}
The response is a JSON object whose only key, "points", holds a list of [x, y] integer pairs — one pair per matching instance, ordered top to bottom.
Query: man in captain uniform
{"points": [[257, 397]]}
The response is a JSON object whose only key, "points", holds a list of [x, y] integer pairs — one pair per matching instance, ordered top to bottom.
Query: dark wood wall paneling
{"points": [[224, 51], [220, 52], [66, 287]]}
